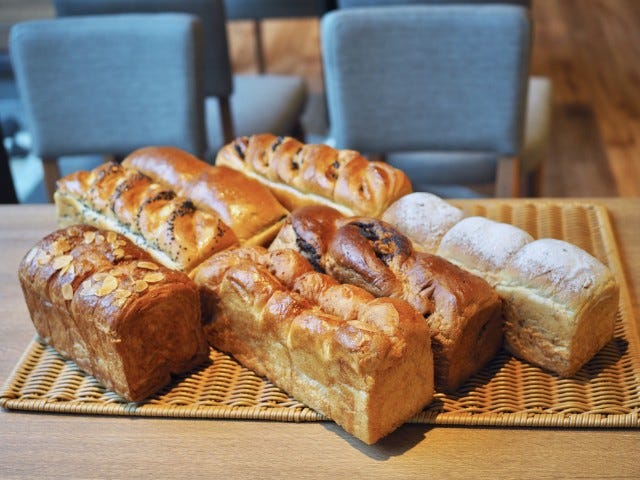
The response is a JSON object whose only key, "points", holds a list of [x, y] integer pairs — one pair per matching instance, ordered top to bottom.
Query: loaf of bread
{"points": [[300, 174], [243, 203], [424, 218], [171, 228], [482, 246], [101, 301], [560, 305], [462, 310], [365, 363]]}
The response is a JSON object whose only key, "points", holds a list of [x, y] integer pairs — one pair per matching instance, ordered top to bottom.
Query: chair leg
{"points": [[260, 61], [228, 130], [51, 176], [508, 177], [533, 182]]}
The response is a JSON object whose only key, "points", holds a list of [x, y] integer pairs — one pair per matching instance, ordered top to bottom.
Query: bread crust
{"points": [[301, 175], [243, 203], [104, 303], [463, 311], [364, 362]]}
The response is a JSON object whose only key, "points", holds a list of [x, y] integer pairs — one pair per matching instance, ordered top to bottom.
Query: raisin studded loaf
{"points": [[300, 174], [101, 301], [463, 311], [366, 363]]}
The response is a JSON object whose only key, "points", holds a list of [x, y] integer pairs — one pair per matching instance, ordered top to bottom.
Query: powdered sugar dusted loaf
{"points": [[424, 218], [482, 246], [560, 305]]}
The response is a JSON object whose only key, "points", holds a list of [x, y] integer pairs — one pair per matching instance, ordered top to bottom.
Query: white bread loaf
{"points": [[424, 218], [482, 246], [560, 305]]}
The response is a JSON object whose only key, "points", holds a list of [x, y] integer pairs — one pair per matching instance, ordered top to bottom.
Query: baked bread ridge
{"points": [[308, 174], [243, 203], [424, 218], [170, 227], [104, 303], [561, 305], [463, 311], [366, 363]]}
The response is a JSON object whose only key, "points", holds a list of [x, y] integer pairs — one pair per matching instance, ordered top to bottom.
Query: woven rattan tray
{"points": [[605, 393]]}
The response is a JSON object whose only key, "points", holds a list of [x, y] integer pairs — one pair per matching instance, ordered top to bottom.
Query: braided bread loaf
{"points": [[300, 174], [243, 203], [171, 228], [100, 300], [463, 311], [366, 363]]}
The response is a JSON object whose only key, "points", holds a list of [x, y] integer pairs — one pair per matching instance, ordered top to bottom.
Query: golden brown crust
{"points": [[300, 174], [243, 203], [170, 227], [103, 302], [463, 311], [364, 362]]}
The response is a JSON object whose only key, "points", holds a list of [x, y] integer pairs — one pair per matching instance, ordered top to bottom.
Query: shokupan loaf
{"points": [[304, 174], [243, 203], [424, 218], [176, 233], [482, 246], [101, 301], [560, 302], [561, 305], [463, 311], [365, 363]]}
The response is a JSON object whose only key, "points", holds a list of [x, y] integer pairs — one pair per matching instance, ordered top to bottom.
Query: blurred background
{"points": [[590, 49]]}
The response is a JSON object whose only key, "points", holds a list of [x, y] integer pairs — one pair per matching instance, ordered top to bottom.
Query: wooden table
{"points": [[72, 446]]}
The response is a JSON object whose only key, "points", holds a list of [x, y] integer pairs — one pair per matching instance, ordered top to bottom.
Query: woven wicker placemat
{"points": [[508, 392]]}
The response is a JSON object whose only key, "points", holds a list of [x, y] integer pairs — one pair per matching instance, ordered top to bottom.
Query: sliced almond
{"points": [[89, 237], [111, 237], [99, 239], [61, 246], [118, 253], [44, 258], [62, 261], [147, 265], [100, 276], [153, 277], [109, 284], [140, 286], [67, 291], [122, 293]]}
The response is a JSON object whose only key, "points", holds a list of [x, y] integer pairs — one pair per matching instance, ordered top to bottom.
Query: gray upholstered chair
{"points": [[381, 3], [258, 10], [109, 85], [441, 91], [235, 104]]}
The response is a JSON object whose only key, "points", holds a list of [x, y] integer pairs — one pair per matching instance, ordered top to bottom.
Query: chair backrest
{"points": [[380, 3], [261, 9], [217, 65], [414, 78], [110, 84]]}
